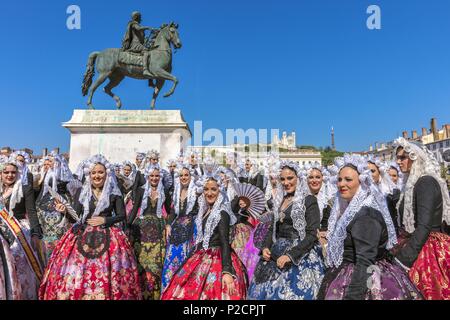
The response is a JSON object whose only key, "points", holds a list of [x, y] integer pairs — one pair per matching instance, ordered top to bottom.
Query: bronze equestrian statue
{"points": [[139, 58]]}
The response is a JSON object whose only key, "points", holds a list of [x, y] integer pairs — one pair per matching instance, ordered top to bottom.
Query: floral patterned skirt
{"points": [[128, 208], [54, 226], [148, 234], [260, 234], [242, 244], [178, 248], [91, 263], [431, 271], [200, 278], [9, 281], [298, 282], [387, 282], [29, 283]]}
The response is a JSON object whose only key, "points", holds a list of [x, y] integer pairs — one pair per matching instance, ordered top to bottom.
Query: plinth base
{"points": [[119, 134]]}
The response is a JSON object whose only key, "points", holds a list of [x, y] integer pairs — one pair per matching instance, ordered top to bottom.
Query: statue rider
{"points": [[134, 40]]}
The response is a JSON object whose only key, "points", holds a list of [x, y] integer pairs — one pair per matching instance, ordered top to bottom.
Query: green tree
{"points": [[307, 148], [328, 156]]}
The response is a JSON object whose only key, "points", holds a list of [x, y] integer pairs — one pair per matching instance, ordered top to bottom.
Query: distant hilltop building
{"points": [[286, 142], [286, 145]]}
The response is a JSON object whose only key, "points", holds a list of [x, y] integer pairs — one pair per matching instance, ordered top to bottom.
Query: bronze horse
{"points": [[117, 64]]}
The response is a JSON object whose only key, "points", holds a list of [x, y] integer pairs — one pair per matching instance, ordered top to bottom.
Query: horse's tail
{"points": [[89, 74]]}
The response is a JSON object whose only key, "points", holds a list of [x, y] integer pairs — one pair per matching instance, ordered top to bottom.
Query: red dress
{"points": [[426, 250], [93, 263], [431, 271], [200, 277]]}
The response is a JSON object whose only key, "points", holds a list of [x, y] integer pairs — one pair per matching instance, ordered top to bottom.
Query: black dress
{"points": [[257, 180], [139, 181], [61, 187], [391, 201], [427, 208], [26, 209], [150, 210], [113, 214], [325, 216], [52, 221], [182, 224], [285, 229], [220, 238], [149, 242], [364, 245], [364, 254], [207, 267], [272, 283]]}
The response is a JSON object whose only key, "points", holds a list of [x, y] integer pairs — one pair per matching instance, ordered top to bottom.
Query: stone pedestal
{"points": [[119, 134]]}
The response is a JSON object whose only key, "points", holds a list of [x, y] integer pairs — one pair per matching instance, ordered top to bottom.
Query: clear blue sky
{"points": [[294, 65]]}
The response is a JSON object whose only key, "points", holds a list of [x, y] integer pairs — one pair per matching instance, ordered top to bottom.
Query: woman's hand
{"points": [[60, 207], [96, 221], [168, 231], [322, 236], [266, 254], [281, 261], [228, 282]]}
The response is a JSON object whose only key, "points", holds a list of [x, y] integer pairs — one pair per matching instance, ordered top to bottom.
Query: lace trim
{"points": [[424, 164], [191, 196], [297, 211], [213, 219], [337, 227]]}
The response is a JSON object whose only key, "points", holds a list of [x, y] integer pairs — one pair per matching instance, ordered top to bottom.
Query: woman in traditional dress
{"points": [[22, 159], [271, 172], [249, 173], [395, 174], [380, 176], [126, 179], [383, 181], [320, 189], [424, 206], [147, 223], [54, 224], [180, 226], [242, 230], [360, 231], [21, 232], [241, 233], [94, 259], [291, 267], [213, 271], [9, 280]]}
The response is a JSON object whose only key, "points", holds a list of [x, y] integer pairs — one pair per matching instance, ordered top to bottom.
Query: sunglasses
{"points": [[402, 157]]}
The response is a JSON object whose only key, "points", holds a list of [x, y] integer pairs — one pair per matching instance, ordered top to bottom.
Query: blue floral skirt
{"points": [[178, 248], [298, 282]]}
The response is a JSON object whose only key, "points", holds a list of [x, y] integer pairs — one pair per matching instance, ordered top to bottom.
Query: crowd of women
{"points": [[359, 229]]}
